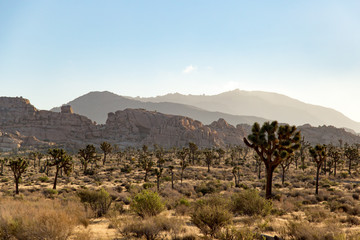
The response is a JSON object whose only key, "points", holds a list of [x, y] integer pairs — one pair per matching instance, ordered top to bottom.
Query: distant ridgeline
{"points": [[22, 125]]}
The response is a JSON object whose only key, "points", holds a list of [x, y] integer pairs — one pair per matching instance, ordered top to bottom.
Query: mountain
{"points": [[266, 105], [96, 106]]}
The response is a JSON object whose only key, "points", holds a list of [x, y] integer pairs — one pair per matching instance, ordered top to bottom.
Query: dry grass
{"points": [[41, 219]]}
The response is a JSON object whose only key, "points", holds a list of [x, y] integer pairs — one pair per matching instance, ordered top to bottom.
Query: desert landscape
{"points": [[179, 120], [149, 175]]}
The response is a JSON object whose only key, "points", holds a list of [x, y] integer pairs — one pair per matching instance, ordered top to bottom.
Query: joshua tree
{"points": [[273, 144], [303, 146], [106, 148], [192, 152], [318, 153], [159, 154], [182, 154], [220, 154], [352, 154], [87, 155], [335, 155], [119, 156], [209, 156], [3, 161], [61, 161], [146, 163], [258, 163], [285, 166], [18, 167], [171, 169], [236, 173]]}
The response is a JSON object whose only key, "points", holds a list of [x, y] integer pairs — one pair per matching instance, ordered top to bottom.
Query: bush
{"points": [[43, 179], [209, 187], [98, 201], [249, 202], [147, 204], [211, 215], [41, 219], [150, 228], [233, 234]]}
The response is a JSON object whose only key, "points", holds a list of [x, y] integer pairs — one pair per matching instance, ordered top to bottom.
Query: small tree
{"points": [[273, 143], [106, 148], [192, 151], [159, 153], [318, 153], [182, 154], [352, 154], [87, 155], [335, 155], [209, 156], [61, 161], [146, 163], [285, 165], [18, 167], [171, 169], [237, 174]]}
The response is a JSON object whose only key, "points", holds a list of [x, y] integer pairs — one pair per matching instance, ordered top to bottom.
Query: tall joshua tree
{"points": [[273, 144], [106, 148], [318, 153], [159, 154], [61, 161], [18, 167]]}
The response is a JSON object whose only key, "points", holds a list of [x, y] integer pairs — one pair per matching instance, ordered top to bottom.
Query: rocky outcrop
{"points": [[19, 118], [22, 125], [138, 126]]}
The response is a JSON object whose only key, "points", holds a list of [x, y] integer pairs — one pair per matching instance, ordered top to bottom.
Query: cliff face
{"points": [[22, 120], [22, 125], [137, 126]]}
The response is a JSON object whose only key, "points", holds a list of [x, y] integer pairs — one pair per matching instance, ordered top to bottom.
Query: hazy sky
{"points": [[54, 51]]}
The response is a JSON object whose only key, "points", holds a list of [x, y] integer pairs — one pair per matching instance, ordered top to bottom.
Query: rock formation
{"points": [[22, 125]]}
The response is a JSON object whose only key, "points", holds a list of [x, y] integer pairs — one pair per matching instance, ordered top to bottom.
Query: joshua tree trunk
{"points": [[335, 169], [259, 171], [56, 176], [283, 176], [269, 178], [172, 180], [317, 180], [158, 182], [16, 186]]}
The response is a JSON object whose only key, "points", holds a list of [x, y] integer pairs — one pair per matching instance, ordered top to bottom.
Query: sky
{"points": [[54, 51]]}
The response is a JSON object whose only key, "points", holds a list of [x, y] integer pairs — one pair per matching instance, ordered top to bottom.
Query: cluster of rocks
{"points": [[22, 125]]}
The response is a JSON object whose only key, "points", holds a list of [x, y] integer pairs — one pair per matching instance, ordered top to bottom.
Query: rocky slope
{"points": [[22, 125]]}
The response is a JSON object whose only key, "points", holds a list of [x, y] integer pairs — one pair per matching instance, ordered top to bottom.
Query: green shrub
{"points": [[43, 179], [148, 185], [98, 201], [249, 202], [147, 203], [211, 215]]}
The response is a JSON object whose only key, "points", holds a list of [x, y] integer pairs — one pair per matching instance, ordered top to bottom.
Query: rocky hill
{"points": [[22, 125]]}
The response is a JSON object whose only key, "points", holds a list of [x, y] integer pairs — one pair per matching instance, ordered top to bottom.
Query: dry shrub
{"points": [[99, 201], [249, 202], [316, 214], [211, 215], [43, 219], [150, 228], [306, 231], [237, 234]]}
